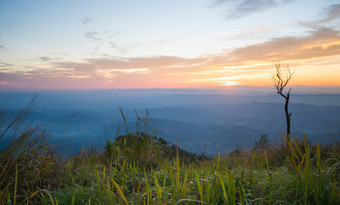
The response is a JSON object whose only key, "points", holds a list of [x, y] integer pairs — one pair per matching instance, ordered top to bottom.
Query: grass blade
{"points": [[120, 192]]}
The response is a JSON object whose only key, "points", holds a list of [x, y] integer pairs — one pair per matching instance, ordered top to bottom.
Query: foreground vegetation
{"points": [[140, 169]]}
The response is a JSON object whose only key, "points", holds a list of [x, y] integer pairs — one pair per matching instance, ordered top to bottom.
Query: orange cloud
{"points": [[315, 57], [253, 64]]}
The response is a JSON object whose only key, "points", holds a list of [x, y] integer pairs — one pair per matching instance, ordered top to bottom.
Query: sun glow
{"points": [[230, 83]]}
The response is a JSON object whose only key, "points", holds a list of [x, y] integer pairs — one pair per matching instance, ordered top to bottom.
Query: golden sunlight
{"points": [[230, 83]]}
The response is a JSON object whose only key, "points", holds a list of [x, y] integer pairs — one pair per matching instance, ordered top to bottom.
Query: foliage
{"points": [[262, 142], [146, 151], [26, 161], [140, 169]]}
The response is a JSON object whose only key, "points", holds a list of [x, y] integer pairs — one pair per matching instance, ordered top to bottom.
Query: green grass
{"points": [[136, 170]]}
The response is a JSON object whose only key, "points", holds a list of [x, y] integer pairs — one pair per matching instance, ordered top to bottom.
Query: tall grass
{"points": [[26, 161], [134, 170]]}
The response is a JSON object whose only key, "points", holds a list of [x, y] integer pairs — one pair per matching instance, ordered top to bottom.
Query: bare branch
{"points": [[281, 79]]}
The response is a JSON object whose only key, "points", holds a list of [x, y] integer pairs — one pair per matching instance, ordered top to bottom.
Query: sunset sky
{"points": [[83, 44]]}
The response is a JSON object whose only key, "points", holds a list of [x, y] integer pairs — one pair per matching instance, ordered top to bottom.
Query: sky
{"points": [[128, 44]]}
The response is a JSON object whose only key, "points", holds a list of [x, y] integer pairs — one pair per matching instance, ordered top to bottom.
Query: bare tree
{"points": [[281, 80]]}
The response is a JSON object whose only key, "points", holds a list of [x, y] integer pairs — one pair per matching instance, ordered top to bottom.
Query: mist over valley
{"points": [[199, 120]]}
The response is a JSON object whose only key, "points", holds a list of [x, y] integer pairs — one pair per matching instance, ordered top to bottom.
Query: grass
{"points": [[136, 170]]}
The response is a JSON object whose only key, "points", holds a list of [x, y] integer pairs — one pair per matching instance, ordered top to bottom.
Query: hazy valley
{"points": [[218, 120]]}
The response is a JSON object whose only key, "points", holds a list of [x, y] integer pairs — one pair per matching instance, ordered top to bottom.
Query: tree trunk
{"points": [[287, 115]]}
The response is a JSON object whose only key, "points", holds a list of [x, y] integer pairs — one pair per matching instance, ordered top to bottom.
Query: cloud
{"points": [[241, 8], [331, 13], [328, 14], [85, 20], [94, 36], [323, 42], [2, 47], [45, 58], [257, 60], [155, 62], [3, 64], [111, 67], [229, 67], [109, 70], [131, 70], [44, 71], [112, 73], [106, 74], [19, 81]]}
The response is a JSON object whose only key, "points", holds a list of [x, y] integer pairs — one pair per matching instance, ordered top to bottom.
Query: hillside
{"points": [[140, 169]]}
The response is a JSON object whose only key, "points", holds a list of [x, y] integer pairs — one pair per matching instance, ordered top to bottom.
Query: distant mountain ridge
{"points": [[196, 120]]}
